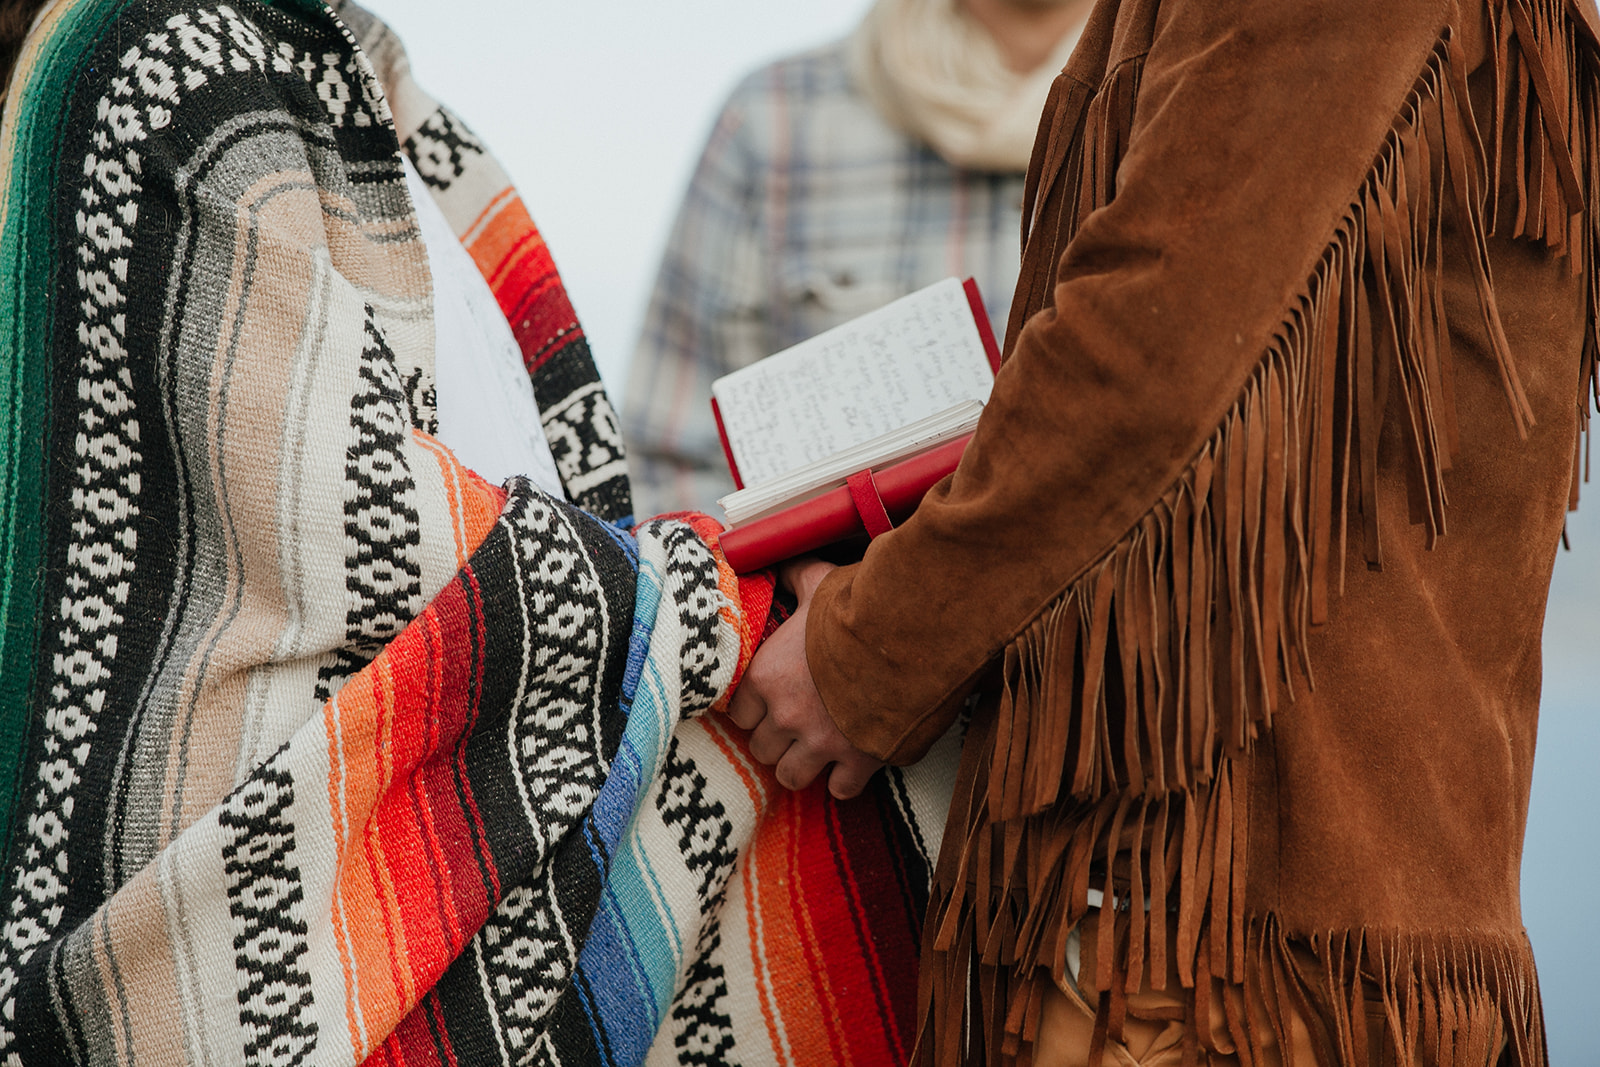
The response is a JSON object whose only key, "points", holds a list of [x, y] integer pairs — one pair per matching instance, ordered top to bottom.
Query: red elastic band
{"points": [[869, 505]]}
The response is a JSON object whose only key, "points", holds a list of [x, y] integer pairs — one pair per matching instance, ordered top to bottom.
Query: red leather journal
{"points": [[857, 508], [833, 516]]}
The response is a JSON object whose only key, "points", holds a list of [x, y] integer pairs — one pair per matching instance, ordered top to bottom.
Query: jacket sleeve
{"points": [[1224, 219]]}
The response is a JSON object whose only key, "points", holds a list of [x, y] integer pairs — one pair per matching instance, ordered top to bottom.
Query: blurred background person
{"points": [[834, 181]]}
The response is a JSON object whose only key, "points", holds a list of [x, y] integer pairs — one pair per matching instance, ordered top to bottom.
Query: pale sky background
{"points": [[599, 108]]}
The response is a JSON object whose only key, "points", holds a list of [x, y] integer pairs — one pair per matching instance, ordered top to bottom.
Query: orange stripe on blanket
{"points": [[498, 201], [505, 237], [513, 257], [475, 505], [356, 717], [337, 782], [759, 784], [381, 873], [799, 983], [799, 1023]]}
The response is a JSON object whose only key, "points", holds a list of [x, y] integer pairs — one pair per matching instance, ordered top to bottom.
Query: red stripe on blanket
{"points": [[513, 256], [543, 321], [423, 815], [450, 833], [406, 834], [382, 875], [873, 876], [488, 880], [424, 881], [816, 922], [839, 933], [872, 986]]}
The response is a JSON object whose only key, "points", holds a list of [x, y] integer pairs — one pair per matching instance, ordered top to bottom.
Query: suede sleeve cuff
{"points": [[891, 708]]}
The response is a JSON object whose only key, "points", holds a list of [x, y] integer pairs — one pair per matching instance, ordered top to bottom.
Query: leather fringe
{"points": [[1115, 758], [1379, 998]]}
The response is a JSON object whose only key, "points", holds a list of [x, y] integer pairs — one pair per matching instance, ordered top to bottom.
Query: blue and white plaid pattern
{"points": [[806, 210]]}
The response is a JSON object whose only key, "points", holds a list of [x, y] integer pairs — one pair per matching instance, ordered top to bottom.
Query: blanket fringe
{"points": [[1126, 704]]}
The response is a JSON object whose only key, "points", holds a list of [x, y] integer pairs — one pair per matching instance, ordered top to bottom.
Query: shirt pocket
{"points": [[822, 293]]}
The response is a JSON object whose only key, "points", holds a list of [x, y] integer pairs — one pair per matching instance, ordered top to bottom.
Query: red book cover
{"points": [[727, 449], [831, 517]]}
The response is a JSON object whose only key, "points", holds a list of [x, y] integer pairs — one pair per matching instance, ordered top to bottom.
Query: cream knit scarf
{"points": [[934, 73]]}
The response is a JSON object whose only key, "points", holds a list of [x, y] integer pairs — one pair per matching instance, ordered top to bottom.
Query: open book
{"points": [[844, 433]]}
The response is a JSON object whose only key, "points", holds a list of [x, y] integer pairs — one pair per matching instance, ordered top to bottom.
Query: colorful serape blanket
{"points": [[314, 747], [744, 923]]}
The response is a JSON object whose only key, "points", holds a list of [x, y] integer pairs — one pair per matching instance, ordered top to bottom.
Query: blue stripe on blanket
{"points": [[629, 961], [625, 1011]]}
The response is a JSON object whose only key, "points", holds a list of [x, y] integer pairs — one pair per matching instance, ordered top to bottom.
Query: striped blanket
{"points": [[314, 747]]}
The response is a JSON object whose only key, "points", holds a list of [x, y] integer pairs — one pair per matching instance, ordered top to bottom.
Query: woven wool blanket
{"points": [[313, 746]]}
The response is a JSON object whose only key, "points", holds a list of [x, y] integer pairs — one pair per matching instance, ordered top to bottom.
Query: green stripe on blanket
{"points": [[29, 139]]}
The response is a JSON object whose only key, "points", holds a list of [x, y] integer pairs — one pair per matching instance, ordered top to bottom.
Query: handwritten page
{"points": [[906, 361]]}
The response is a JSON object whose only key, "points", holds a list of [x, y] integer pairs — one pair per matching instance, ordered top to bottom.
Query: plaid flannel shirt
{"points": [[806, 210]]}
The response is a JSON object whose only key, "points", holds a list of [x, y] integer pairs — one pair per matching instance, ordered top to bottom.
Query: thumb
{"points": [[802, 576]]}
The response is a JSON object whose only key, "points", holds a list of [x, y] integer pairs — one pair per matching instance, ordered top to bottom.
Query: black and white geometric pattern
{"points": [[441, 149], [582, 428], [585, 439], [382, 528], [692, 583], [559, 757], [704, 830], [266, 902], [527, 952], [526, 956], [702, 1029]]}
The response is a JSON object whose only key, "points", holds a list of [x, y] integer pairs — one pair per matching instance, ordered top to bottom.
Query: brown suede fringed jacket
{"points": [[1254, 538]]}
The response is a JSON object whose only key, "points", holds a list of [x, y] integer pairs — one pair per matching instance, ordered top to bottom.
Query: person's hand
{"points": [[778, 702]]}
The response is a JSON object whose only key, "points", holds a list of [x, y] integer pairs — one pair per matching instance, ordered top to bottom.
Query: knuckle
{"points": [[784, 715]]}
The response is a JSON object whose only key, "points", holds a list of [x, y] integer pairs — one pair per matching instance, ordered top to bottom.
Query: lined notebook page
{"points": [[906, 361]]}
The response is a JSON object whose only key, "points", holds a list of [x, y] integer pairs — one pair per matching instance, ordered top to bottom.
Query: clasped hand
{"points": [[778, 703]]}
